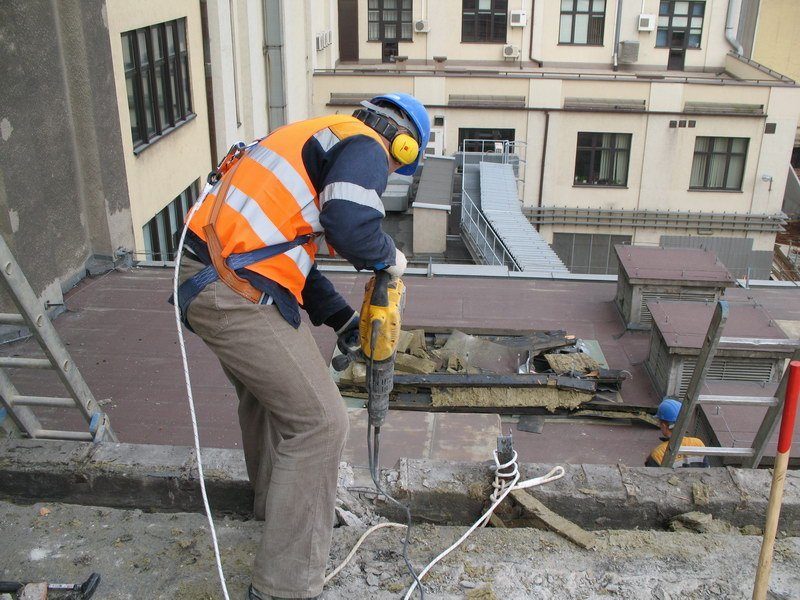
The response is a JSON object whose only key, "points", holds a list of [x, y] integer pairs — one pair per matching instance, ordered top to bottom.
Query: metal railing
{"points": [[478, 232], [482, 237]]}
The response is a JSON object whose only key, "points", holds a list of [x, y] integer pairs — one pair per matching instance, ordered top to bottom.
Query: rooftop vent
{"points": [[486, 100], [620, 104], [723, 108]]}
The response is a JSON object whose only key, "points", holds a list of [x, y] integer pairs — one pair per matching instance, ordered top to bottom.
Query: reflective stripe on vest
{"points": [[271, 199]]}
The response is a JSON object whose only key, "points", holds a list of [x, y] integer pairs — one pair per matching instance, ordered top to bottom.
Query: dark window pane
{"points": [[596, 30], [130, 84], [187, 94]]}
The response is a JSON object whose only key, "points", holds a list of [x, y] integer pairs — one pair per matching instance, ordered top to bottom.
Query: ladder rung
{"points": [[12, 319], [15, 362], [737, 400], [42, 401], [56, 434], [715, 451]]}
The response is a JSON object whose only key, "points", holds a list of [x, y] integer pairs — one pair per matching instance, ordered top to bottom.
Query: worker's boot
{"points": [[253, 594]]}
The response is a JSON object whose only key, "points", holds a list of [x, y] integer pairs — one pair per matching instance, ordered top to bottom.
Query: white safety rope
{"points": [[182, 344], [506, 480]]}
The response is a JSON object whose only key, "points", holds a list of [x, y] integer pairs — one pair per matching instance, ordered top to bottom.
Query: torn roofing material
{"points": [[501, 206]]}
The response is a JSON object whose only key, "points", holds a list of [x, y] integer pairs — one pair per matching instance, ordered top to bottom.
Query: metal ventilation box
{"points": [[628, 52]]}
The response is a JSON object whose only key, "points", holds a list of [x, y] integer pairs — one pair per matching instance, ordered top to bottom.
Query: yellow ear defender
{"points": [[404, 149]]}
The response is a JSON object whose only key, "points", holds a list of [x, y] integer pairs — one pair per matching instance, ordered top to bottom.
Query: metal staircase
{"points": [[19, 407], [751, 456]]}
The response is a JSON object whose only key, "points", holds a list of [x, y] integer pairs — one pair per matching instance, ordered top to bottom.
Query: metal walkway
{"points": [[501, 206]]}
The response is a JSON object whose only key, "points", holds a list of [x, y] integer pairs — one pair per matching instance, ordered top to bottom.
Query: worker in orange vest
{"points": [[310, 186], [667, 415]]}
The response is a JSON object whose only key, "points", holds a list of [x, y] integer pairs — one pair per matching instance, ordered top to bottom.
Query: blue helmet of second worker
{"points": [[409, 115], [668, 411]]}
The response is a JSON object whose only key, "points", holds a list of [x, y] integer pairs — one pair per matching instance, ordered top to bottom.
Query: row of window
{"points": [[680, 23], [156, 64], [603, 159], [161, 232]]}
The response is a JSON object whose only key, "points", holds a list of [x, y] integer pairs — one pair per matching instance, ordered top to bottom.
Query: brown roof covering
{"points": [[673, 264], [684, 324]]}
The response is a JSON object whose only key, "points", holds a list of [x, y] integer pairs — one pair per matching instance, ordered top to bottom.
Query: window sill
{"points": [[408, 41], [484, 42], [581, 45], [668, 48], [137, 150], [595, 186], [715, 190]]}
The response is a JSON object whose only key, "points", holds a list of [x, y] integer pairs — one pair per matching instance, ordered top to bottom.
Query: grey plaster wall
{"points": [[63, 190]]}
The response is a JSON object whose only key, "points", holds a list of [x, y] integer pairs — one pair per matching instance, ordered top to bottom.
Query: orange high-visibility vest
{"points": [[271, 199]]}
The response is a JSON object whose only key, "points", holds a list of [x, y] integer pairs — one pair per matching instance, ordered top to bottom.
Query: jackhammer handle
{"points": [[380, 293], [10, 586]]}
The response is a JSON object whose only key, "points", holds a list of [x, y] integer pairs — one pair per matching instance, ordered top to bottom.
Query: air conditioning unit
{"points": [[519, 18], [647, 22], [422, 26], [328, 37], [320, 39], [510, 51]]}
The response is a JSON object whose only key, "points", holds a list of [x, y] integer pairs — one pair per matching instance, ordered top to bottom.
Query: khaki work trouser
{"points": [[294, 425]]}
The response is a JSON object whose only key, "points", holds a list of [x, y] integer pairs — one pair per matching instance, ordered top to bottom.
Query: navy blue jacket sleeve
{"points": [[352, 179], [323, 303]]}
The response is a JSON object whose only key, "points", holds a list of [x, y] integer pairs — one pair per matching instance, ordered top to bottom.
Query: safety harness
{"points": [[210, 254]]}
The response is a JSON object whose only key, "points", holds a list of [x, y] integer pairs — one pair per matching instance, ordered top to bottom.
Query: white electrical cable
{"points": [[182, 344], [502, 488], [360, 541]]}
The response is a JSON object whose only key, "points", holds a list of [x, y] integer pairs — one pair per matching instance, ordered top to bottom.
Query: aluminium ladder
{"points": [[19, 407], [751, 456]]}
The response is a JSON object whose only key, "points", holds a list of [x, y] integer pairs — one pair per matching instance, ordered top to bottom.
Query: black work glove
{"points": [[348, 339]]}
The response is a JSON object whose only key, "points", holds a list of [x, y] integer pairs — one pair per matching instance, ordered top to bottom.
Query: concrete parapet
{"points": [[164, 478]]}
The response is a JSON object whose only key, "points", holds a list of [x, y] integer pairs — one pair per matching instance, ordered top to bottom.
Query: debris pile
{"points": [[549, 369]]}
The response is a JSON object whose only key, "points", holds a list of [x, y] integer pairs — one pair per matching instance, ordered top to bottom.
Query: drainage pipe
{"points": [[729, 26], [530, 50], [615, 56], [212, 128], [544, 154]]}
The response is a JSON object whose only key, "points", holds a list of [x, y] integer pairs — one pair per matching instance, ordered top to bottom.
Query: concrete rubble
{"points": [[653, 532], [167, 556]]}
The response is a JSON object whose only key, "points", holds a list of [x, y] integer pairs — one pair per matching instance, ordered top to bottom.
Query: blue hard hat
{"points": [[419, 117], [668, 410]]}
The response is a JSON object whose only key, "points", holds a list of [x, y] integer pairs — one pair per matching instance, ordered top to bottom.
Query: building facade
{"points": [[633, 121]]}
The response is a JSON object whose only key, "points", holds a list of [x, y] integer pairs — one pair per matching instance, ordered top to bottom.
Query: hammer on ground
{"points": [[34, 591]]}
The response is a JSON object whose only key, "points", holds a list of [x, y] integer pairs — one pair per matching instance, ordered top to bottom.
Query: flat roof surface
{"points": [[673, 264], [684, 324], [121, 334]]}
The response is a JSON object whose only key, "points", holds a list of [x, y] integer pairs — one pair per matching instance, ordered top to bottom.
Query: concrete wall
{"points": [[240, 33], [776, 43], [169, 165], [63, 191], [430, 231]]}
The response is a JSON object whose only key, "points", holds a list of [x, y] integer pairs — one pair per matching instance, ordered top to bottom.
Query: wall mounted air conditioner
{"points": [[519, 18], [646, 22], [422, 26], [328, 37], [320, 42], [510, 51]]}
